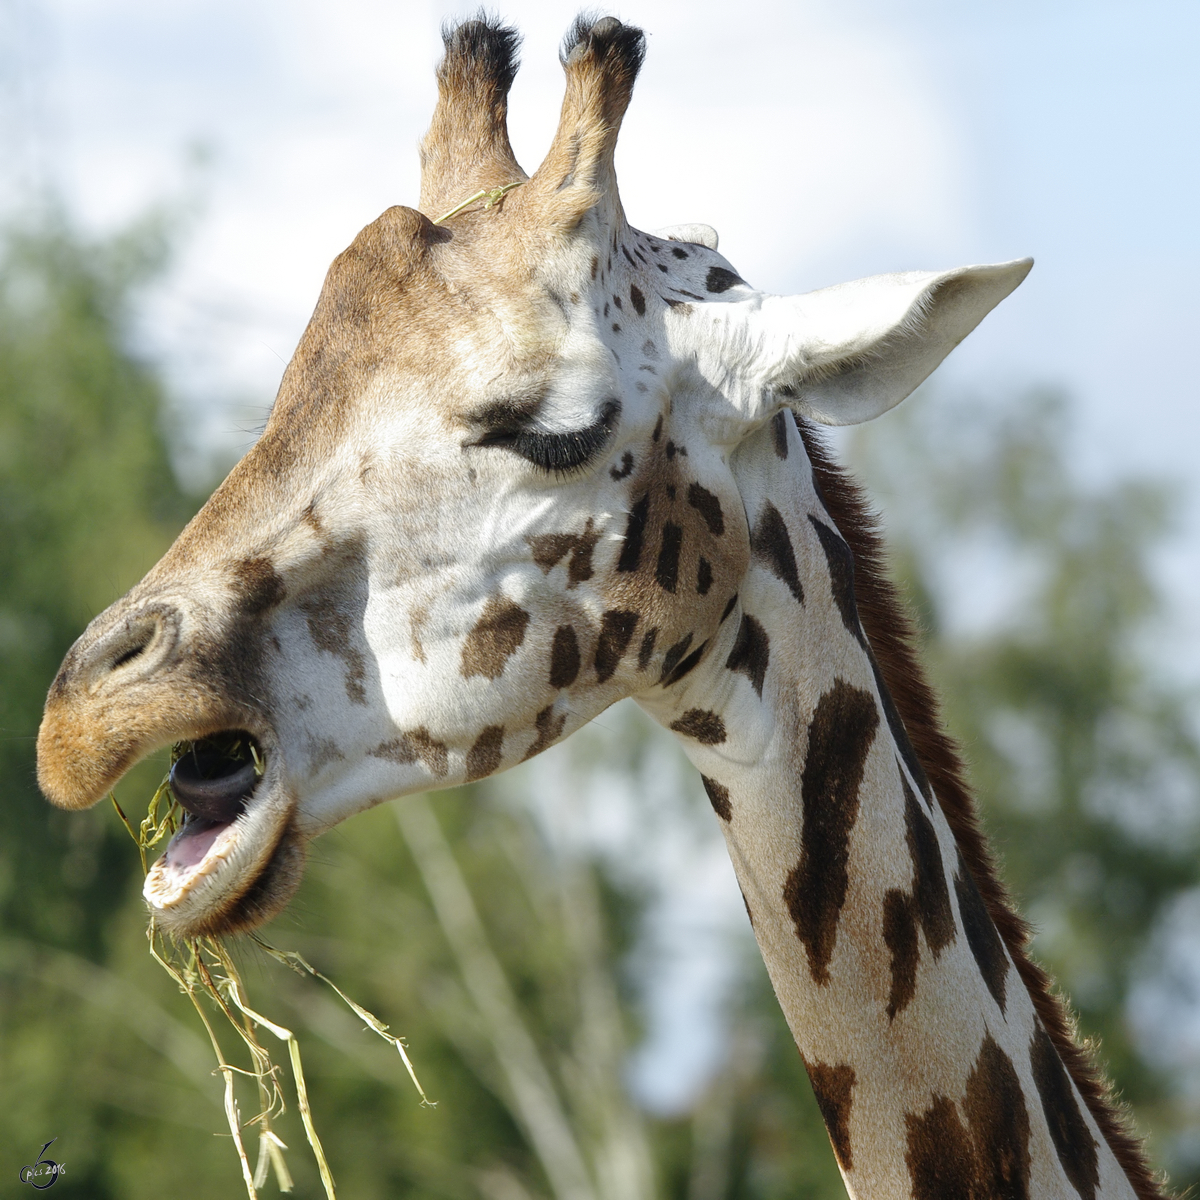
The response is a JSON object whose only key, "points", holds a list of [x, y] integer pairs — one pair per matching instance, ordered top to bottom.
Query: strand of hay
{"points": [[202, 967]]}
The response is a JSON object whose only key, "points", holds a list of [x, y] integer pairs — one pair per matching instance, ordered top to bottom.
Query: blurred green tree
{"points": [[88, 501]]}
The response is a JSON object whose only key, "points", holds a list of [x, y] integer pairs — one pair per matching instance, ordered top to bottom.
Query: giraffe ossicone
{"points": [[530, 461]]}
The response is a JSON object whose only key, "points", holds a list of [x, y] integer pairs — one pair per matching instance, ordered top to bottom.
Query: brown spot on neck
{"points": [[840, 736], [833, 1087], [988, 1155]]}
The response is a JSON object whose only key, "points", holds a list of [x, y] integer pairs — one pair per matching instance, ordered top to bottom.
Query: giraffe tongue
{"points": [[214, 777], [192, 843]]}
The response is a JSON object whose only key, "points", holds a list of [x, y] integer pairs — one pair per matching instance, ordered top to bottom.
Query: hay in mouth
{"points": [[217, 780]]}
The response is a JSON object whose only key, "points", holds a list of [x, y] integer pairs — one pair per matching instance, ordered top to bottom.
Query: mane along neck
{"points": [[892, 636], [935, 1048]]}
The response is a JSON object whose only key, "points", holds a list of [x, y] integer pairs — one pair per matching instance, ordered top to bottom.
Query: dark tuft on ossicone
{"points": [[612, 43], [480, 53]]}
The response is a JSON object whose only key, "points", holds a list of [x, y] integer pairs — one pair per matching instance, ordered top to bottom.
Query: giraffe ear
{"points": [[851, 352]]}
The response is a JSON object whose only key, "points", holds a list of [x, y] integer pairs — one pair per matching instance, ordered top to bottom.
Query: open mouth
{"points": [[212, 780], [227, 866]]}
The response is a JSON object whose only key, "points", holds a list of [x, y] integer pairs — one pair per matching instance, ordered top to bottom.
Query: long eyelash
{"points": [[558, 452]]}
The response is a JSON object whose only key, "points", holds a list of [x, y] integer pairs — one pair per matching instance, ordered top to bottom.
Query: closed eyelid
{"points": [[554, 450]]}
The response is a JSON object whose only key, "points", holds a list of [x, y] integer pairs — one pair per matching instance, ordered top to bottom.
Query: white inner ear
{"points": [[701, 235]]}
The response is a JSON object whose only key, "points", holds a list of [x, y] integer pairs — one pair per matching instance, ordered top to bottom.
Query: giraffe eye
{"points": [[554, 451]]}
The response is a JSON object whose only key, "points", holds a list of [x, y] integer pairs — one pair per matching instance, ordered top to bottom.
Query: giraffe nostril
{"points": [[145, 637], [132, 652]]}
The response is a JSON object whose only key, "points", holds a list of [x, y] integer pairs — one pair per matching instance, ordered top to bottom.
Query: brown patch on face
{"points": [[624, 470], [709, 507], [635, 534], [680, 539], [772, 546], [550, 548], [259, 585], [416, 619], [330, 629], [616, 630], [498, 633], [751, 652], [564, 657], [549, 726], [706, 727], [840, 736], [413, 746], [321, 751], [484, 756], [718, 797], [982, 936], [833, 1087], [1072, 1139], [989, 1155]]}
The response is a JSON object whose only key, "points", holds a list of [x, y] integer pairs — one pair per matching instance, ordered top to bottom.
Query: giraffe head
{"points": [[494, 494]]}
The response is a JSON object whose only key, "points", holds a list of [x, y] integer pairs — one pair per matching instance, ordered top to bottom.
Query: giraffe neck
{"points": [[931, 1066]]}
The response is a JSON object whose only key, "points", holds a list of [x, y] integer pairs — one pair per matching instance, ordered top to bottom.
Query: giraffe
{"points": [[528, 460]]}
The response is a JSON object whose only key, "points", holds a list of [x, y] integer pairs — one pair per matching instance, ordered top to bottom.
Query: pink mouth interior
{"points": [[187, 849]]}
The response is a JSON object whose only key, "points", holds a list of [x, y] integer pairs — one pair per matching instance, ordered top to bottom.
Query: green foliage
{"points": [[87, 503]]}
